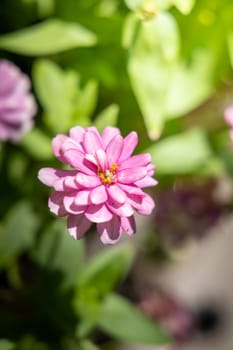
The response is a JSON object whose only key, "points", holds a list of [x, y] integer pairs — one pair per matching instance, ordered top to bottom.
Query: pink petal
{"points": [[228, 115], [77, 133], [108, 134], [57, 142], [92, 142], [71, 144], [129, 144], [113, 149], [101, 159], [76, 160], [136, 161], [150, 169], [49, 175], [128, 176], [88, 181], [147, 181], [67, 183], [131, 189], [116, 194], [98, 195], [82, 197], [56, 203], [70, 205], [147, 205], [122, 210], [98, 213], [78, 225], [128, 225], [110, 232]]}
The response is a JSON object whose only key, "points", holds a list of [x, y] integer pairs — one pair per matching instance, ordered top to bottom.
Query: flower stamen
{"points": [[108, 176]]}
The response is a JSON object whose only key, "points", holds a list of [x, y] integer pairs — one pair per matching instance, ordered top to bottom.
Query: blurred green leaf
{"points": [[184, 6], [48, 37], [230, 46], [154, 51], [190, 83], [56, 91], [85, 103], [108, 117], [37, 144], [181, 154], [18, 232], [56, 250], [107, 268], [122, 320], [6, 345], [88, 345]]}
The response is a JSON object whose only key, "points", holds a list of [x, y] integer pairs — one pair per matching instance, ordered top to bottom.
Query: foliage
{"points": [[156, 67]]}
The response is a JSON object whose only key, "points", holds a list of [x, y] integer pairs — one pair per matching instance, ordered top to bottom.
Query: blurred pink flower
{"points": [[17, 104], [228, 116], [105, 185]]}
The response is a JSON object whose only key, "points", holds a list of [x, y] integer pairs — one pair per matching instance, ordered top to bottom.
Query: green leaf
{"points": [[184, 6], [48, 37], [230, 46], [154, 52], [195, 78], [56, 91], [85, 103], [108, 117], [38, 145], [181, 154], [18, 232], [56, 250], [106, 269], [123, 321], [6, 344], [87, 345]]}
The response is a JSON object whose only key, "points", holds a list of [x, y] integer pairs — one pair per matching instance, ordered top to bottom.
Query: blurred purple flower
{"points": [[17, 104], [228, 116], [105, 184], [187, 211]]}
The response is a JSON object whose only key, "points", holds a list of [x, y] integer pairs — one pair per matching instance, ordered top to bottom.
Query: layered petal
{"points": [[78, 225], [110, 231]]}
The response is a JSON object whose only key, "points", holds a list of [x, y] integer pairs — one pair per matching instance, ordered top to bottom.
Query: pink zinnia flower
{"points": [[17, 105], [228, 116], [105, 184]]}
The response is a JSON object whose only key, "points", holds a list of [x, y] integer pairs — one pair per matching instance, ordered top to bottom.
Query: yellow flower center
{"points": [[108, 176]]}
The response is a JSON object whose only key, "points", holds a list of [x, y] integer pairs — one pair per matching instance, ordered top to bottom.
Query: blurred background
{"points": [[164, 69]]}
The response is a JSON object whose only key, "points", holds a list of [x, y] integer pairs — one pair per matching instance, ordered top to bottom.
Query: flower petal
{"points": [[77, 133], [108, 134], [92, 142], [57, 143], [129, 144], [113, 149], [101, 158], [139, 160], [77, 161], [49, 175], [131, 175], [88, 181], [147, 181], [131, 189], [116, 194], [98, 195], [82, 197], [55, 203], [70, 205], [147, 205], [122, 210], [98, 213], [78, 225], [128, 225], [110, 232]]}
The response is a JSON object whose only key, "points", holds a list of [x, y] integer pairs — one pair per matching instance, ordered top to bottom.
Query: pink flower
{"points": [[17, 105], [228, 116], [105, 184]]}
